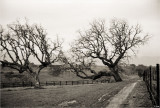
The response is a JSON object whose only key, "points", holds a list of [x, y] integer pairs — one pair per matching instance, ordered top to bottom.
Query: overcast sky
{"points": [[65, 17]]}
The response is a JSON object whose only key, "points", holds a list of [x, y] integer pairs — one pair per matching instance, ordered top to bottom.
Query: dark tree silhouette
{"points": [[23, 42], [109, 45], [140, 70]]}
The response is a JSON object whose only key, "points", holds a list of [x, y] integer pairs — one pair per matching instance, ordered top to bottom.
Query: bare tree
{"points": [[23, 44], [109, 45], [81, 64]]}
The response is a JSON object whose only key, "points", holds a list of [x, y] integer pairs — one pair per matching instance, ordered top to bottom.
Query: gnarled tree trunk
{"points": [[116, 74], [117, 77], [37, 81]]}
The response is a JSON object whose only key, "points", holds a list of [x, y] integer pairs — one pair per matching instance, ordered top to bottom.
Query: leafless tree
{"points": [[23, 44], [109, 45], [81, 64]]}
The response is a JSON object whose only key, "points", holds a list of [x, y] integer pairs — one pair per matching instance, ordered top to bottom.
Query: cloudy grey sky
{"points": [[65, 17]]}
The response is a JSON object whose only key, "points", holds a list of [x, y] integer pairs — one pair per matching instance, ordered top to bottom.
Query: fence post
{"points": [[157, 68], [150, 70], [143, 75], [146, 75], [148, 78], [66, 82], [72, 82], [23, 83], [46, 83], [60, 83], [12, 84], [31, 84], [1, 85]]}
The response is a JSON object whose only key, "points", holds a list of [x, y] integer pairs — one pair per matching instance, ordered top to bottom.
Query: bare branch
{"points": [[22, 42], [109, 45]]}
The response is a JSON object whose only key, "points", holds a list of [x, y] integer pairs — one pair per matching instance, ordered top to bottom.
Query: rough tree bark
{"points": [[116, 76], [37, 82]]}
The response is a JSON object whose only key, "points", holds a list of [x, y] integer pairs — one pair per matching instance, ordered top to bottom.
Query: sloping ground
{"points": [[47, 75], [91, 95], [139, 97]]}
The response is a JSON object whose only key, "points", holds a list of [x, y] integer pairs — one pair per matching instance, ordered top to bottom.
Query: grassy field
{"points": [[46, 75], [91, 95]]}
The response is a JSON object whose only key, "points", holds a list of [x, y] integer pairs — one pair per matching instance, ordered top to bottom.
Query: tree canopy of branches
{"points": [[23, 44], [109, 45], [81, 65]]}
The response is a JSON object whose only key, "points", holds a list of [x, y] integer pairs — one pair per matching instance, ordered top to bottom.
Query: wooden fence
{"points": [[151, 77], [76, 82], [53, 83], [16, 84]]}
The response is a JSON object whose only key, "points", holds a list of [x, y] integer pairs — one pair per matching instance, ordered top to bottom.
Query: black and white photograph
{"points": [[79, 53]]}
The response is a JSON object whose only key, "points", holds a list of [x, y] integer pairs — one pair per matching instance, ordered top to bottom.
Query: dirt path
{"points": [[139, 97], [118, 99]]}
